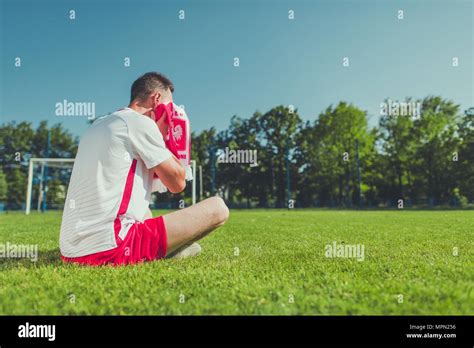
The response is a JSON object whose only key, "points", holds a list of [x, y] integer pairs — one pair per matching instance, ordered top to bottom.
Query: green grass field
{"points": [[281, 257]]}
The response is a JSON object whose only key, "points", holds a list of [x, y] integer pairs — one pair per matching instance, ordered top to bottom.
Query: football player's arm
{"points": [[148, 144], [171, 174]]}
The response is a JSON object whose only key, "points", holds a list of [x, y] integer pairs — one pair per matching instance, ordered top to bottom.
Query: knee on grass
{"points": [[219, 212]]}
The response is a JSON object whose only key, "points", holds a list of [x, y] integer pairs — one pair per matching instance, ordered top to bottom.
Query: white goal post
{"points": [[44, 161], [52, 161]]}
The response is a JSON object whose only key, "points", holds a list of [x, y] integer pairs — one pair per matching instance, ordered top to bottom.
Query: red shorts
{"points": [[145, 241]]}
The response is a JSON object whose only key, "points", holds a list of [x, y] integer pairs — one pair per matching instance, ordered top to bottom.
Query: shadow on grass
{"points": [[44, 258], [49, 258]]}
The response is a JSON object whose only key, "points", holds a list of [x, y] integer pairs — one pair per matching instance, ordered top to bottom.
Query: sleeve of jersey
{"points": [[147, 142]]}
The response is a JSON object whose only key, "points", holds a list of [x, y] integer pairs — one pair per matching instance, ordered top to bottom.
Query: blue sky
{"points": [[282, 61]]}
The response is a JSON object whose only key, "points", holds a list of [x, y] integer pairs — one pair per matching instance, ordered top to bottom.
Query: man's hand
{"points": [[171, 174]]}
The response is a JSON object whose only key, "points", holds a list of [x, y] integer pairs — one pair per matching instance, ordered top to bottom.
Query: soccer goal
{"points": [[40, 177]]}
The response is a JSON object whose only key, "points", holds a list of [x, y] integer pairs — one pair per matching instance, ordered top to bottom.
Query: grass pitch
{"points": [[261, 262]]}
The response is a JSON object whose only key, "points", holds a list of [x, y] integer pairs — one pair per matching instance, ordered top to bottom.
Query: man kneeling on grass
{"points": [[106, 219]]}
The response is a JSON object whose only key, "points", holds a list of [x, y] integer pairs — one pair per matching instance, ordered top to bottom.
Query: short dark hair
{"points": [[149, 83]]}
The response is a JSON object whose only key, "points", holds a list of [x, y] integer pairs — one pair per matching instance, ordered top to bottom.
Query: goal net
{"points": [[45, 173]]}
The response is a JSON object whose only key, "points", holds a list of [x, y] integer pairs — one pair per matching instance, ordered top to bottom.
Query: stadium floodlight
{"points": [[67, 163]]}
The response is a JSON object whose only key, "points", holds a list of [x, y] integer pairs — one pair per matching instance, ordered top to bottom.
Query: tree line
{"points": [[335, 160], [338, 160]]}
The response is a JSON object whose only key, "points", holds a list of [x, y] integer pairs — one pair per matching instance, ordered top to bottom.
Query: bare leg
{"points": [[191, 224]]}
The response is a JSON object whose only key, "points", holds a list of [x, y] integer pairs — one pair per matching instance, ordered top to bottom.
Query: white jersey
{"points": [[111, 182]]}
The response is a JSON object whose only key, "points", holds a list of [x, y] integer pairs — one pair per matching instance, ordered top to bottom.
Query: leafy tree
{"points": [[277, 134], [437, 141], [398, 149], [330, 151], [465, 164], [3, 186]]}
